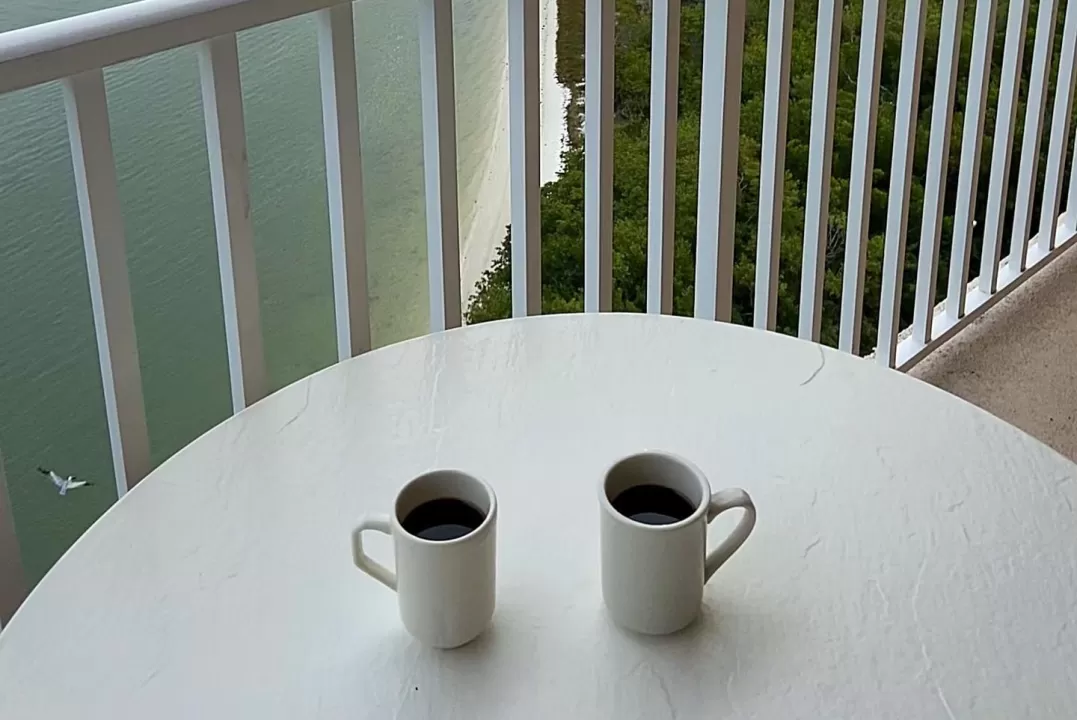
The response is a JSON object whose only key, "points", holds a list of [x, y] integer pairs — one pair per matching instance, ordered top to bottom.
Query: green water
{"points": [[51, 408]]}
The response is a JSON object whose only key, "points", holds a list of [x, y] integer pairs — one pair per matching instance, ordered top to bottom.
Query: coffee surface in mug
{"points": [[653, 505], [443, 519]]}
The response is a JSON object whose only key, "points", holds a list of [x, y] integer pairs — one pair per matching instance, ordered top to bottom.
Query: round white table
{"points": [[914, 556]]}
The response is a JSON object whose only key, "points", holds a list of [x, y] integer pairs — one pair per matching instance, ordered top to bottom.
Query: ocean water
{"points": [[51, 408]]}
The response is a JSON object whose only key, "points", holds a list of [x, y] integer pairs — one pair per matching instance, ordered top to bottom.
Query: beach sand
{"points": [[483, 224]]}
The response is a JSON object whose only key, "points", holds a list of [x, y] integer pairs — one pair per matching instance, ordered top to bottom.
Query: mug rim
{"points": [[698, 512], [487, 520]]}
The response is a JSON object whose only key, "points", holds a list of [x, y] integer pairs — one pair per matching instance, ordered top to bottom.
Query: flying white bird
{"points": [[64, 484]]}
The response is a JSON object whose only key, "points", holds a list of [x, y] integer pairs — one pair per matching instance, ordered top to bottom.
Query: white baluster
{"points": [[665, 56], [222, 99], [1036, 103], [1060, 124], [1002, 137], [524, 156], [938, 157], [598, 158], [439, 162], [772, 162], [968, 177], [860, 178], [344, 179], [817, 198], [897, 215], [106, 265], [12, 578]]}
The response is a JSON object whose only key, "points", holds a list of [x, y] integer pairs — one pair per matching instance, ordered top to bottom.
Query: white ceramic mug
{"points": [[653, 575], [445, 588]]}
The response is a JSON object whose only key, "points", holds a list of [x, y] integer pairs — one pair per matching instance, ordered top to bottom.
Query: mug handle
{"points": [[720, 502], [364, 562]]}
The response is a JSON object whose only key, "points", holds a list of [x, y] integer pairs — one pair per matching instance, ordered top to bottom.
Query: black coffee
{"points": [[653, 505], [443, 519]]}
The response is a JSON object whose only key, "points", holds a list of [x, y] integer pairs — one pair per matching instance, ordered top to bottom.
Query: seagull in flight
{"points": [[64, 484]]}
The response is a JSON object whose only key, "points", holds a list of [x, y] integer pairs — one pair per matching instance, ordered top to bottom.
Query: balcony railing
{"points": [[75, 51]]}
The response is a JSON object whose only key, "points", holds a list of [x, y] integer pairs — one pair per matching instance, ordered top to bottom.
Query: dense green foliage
{"points": [[562, 200]]}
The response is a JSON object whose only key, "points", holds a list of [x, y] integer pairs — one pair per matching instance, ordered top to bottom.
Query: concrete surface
{"points": [[1019, 361]]}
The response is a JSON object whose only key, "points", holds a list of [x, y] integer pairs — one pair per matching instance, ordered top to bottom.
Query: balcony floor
{"points": [[1018, 361]]}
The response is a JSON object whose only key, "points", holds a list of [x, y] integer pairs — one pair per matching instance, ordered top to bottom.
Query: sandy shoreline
{"points": [[483, 226]]}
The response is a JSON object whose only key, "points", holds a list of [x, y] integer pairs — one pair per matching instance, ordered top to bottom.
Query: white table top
{"points": [[914, 556]]}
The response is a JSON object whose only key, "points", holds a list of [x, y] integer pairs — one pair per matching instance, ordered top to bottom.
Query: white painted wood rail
{"points": [[983, 35], [61, 48], [75, 50], [665, 56], [1060, 134], [226, 141], [1030, 144], [524, 145], [719, 148], [938, 156], [598, 157], [439, 160], [772, 162], [860, 176], [344, 178], [817, 201], [897, 211], [1053, 232], [106, 266], [12, 579]]}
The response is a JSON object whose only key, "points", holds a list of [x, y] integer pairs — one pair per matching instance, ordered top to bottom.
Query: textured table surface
{"points": [[914, 557]]}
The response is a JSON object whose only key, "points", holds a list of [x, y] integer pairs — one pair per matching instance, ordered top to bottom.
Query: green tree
{"points": [[562, 200]]}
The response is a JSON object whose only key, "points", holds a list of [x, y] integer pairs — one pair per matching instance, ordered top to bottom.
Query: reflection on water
{"points": [[51, 411]]}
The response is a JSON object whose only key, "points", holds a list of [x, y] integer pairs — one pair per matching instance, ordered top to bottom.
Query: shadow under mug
{"points": [[653, 575], [445, 588]]}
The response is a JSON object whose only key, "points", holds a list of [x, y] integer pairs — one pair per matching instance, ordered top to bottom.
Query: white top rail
{"points": [[50, 51]]}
